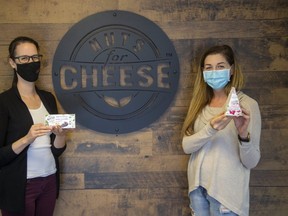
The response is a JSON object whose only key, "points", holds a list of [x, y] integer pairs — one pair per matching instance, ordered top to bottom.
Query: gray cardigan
{"points": [[219, 162]]}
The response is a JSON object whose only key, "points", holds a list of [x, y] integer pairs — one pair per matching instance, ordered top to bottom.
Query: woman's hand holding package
{"points": [[220, 122], [242, 123], [37, 130], [58, 130]]}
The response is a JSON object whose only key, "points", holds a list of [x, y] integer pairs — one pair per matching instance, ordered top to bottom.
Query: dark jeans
{"points": [[40, 197]]}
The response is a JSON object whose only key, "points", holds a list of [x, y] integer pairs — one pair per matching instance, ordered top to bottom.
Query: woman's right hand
{"points": [[220, 122], [37, 130]]}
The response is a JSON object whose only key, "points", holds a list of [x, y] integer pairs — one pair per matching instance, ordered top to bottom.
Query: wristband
{"points": [[247, 139]]}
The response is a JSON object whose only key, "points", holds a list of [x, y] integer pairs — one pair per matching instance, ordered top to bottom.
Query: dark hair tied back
{"points": [[19, 40], [12, 47]]}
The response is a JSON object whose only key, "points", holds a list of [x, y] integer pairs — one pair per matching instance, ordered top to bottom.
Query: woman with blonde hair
{"points": [[223, 148]]}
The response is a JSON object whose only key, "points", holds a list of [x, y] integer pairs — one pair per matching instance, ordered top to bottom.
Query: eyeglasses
{"points": [[26, 58]]}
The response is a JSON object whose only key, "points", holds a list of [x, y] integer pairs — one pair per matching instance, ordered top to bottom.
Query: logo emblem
{"points": [[116, 70]]}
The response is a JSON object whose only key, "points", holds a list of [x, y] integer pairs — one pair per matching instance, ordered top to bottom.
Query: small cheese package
{"points": [[233, 106], [64, 120]]}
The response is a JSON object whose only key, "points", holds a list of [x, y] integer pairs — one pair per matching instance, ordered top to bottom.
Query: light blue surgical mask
{"points": [[217, 79]]}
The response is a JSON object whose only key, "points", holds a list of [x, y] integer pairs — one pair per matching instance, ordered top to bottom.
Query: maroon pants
{"points": [[40, 197]]}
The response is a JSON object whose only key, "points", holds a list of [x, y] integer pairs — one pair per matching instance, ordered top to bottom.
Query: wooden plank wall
{"points": [[144, 173]]}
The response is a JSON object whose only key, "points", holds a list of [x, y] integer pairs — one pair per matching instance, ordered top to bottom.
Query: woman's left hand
{"points": [[242, 123], [58, 130]]}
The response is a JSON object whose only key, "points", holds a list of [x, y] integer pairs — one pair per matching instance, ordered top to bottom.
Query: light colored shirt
{"points": [[40, 160], [219, 162]]}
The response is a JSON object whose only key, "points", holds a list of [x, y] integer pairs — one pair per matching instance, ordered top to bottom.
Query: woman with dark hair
{"points": [[223, 148], [29, 150]]}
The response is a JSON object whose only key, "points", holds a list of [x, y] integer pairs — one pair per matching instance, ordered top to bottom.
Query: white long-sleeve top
{"points": [[219, 162]]}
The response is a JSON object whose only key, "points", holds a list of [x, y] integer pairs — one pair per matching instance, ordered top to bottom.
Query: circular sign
{"points": [[116, 70]]}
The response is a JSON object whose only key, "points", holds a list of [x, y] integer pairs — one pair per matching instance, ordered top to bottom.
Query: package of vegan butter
{"points": [[64, 120]]}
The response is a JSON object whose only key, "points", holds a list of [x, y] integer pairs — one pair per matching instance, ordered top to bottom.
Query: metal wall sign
{"points": [[116, 70]]}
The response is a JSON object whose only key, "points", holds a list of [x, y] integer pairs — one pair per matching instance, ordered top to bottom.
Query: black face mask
{"points": [[29, 71]]}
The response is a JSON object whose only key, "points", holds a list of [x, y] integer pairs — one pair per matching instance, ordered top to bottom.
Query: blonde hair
{"points": [[202, 93]]}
